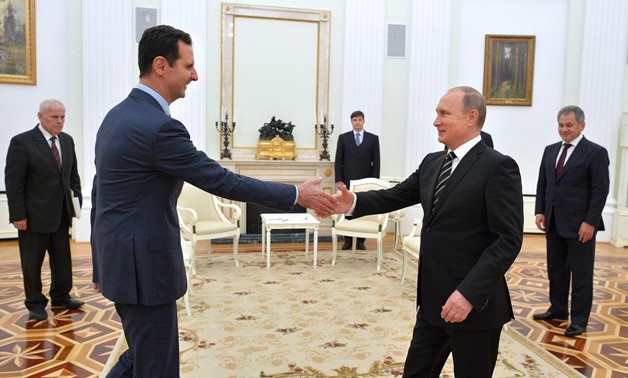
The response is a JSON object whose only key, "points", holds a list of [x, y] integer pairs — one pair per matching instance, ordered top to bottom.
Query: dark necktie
{"points": [[357, 139], [55, 151], [561, 159], [445, 173]]}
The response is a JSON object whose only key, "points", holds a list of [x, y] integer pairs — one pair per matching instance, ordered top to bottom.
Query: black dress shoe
{"points": [[346, 246], [361, 247], [70, 303], [38, 314], [548, 315], [574, 330]]}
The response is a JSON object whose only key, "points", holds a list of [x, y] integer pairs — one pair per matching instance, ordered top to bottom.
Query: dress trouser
{"points": [[349, 240], [33, 247], [570, 260], [152, 333], [474, 352]]}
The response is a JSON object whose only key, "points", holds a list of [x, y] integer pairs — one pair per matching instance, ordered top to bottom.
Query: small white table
{"points": [[286, 220]]}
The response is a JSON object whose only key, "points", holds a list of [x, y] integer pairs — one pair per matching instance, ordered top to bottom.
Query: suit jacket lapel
{"points": [[44, 147], [65, 153], [578, 153], [550, 163], [458, 174], [432, 176]]}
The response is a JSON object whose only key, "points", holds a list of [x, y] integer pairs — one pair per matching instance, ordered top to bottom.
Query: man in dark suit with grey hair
{"points": [[40, 175], [570, 195]]}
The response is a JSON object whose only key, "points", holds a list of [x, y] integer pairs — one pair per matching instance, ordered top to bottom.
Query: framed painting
{"points": [[17, 42], [508, 69]]}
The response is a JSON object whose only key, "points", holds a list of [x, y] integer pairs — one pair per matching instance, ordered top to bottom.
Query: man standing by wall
{"points": [[357, 157], [40, 174], [570, 196]]}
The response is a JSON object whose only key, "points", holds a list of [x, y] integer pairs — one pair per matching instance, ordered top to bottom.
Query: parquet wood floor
{"points": [[77, 343]]}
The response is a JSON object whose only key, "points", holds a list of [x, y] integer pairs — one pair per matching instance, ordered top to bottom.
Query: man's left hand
{"points": [[586, 232], [456, 308]]}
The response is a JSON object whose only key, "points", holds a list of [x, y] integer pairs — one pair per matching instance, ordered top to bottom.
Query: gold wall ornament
{"points": [[276, 149]]}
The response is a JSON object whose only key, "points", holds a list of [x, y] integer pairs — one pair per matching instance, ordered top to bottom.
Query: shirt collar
{"points": [[156, 96], [46, 134], [575, 142], [463, 149]]}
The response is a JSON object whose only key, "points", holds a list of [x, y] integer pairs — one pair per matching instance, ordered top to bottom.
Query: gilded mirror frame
{"points": [[230, 12]]}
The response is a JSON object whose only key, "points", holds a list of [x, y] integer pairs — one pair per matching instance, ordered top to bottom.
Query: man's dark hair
{"points": [[160, 40], [357, 113]]}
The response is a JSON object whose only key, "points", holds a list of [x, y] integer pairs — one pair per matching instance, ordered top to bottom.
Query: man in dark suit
{"points": [[487, 139], [143, 156], [357, 157], [40, 175], [570, 196], [471, 234]]}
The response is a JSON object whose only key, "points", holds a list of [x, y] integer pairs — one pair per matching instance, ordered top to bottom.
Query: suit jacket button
{"points": [[427, 229]]}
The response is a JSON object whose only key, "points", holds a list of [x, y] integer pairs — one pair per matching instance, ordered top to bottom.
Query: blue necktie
{"points": [[357, 139]]}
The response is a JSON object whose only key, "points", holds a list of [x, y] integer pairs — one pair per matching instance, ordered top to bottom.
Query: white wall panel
{"points": [[365, 43], [192, 110]]}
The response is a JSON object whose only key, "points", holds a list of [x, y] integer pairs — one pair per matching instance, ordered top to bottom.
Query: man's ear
{"points": [[159, 65], [473, 116]]}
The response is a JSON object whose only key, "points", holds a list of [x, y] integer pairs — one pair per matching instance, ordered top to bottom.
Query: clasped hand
{"points": [[311, 197], [343, 203]]}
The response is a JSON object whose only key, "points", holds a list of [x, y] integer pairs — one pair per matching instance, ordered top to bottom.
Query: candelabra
{"points": [[223, 128], [324, 131]]}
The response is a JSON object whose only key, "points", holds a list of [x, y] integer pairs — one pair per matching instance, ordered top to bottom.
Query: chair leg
{"points": [[397, 235], [236, 240], [354, 242], [334, 246], [379, 254], [193, 259], [403, 267], [186, 296], [186, 301]]}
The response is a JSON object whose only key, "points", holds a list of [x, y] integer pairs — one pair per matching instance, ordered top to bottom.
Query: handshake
{"points": [[324, 204]]}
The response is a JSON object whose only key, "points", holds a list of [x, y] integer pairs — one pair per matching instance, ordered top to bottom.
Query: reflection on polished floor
{"points": [[77, 343]]}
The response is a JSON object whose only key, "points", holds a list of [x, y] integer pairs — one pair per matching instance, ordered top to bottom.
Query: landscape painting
{"points": [[17, 42]]}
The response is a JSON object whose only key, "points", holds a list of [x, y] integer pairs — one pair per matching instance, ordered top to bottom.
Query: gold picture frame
{"points": [[17, 42], [509, 69]]}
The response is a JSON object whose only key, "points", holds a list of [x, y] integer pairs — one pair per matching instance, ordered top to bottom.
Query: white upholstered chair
{"points": [[201, 217], [395, 217], [369, 227], [411, 245], [188, 253]]}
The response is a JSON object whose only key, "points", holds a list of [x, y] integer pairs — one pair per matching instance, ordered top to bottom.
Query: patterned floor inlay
{"points": [[70, 343], [77, 343], [602, 351]]}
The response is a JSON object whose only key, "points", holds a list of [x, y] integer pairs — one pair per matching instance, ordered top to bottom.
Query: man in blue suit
{"points": [[143, 156], [570, 196]]}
